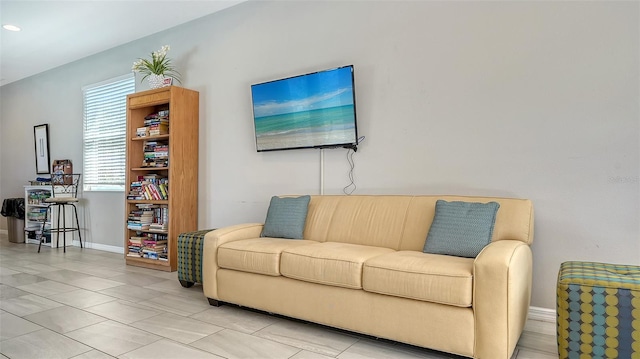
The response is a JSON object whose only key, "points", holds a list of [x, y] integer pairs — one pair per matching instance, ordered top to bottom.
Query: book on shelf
{"points": [[155, 124], [158, 129], [142, 132], [156, 154], [149, 187], [38, 197], [148, 216], [137, 226], [158, 226], [152, 236], [154, 244], [148, 245], [154, 252], [151, 255]]}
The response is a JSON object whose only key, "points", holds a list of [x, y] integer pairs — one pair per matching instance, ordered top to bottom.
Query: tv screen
{"points": [[315, 110]]}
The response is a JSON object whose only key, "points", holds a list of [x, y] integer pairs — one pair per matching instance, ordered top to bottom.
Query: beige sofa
{"points": [[361, 268]]}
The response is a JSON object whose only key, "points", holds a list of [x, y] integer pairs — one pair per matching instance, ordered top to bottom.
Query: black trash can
{"points": [[13, 209]]}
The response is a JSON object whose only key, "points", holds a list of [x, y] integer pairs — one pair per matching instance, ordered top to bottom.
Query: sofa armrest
{"points": [[215, 239], [501, 297]]}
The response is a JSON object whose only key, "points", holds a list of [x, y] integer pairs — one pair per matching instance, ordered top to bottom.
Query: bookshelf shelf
{"points": [[151, 138], [150, 168], [158, 198], [140, 201], [147, 263]]}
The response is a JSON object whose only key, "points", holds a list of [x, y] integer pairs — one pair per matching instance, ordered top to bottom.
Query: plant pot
{"points": [[155, 81]]}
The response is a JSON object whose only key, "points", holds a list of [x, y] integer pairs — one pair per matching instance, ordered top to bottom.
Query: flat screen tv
{"points": [[315, 110]]}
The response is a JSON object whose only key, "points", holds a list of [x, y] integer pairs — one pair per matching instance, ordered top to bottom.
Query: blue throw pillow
{"points": [[286, 217], [461, 228]]}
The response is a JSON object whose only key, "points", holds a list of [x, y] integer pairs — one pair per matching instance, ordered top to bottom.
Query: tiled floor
{"points": [[89, 304]]}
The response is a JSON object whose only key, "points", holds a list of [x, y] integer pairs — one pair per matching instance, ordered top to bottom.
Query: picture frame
{"points": [[41, 139]]}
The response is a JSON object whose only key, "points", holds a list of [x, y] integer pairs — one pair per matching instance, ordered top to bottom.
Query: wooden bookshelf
{"points": [[181, 171]]}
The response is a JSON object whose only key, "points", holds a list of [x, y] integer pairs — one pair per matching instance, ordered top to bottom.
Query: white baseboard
{"points": [[4, 231], [101, 247], [542, 314], [541, 321]]}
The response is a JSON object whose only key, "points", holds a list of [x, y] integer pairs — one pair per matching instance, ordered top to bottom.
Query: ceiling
{"points": [[58, 32]]}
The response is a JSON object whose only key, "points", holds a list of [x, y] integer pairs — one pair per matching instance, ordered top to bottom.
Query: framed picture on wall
{"points": [[41, 138]]}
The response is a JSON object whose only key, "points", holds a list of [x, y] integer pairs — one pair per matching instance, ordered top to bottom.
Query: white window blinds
{"points": [[105, 120]]}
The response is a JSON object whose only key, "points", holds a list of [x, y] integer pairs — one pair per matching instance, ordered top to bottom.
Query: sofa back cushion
{"points": [[367, 220], [402, 222]]}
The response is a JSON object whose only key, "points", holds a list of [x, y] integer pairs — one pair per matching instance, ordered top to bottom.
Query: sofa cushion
{"points": [[286, 217], [461, 228], [258, 255], [331, 263], [421, 276]]}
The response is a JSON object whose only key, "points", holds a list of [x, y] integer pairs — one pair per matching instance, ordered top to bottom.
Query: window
{"points": [[105, 121]]}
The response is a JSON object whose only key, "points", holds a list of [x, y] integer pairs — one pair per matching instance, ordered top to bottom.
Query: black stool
{"points": [[64, 193]]}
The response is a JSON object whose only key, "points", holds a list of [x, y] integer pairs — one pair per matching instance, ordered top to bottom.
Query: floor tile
{"points": [[52, 259], [21, 261], [74, 266], [37, 268], [4, 271], [101, 271], [162, 274], [63, 275], [20, 279], [137, 279], [94, 283], [174, 287], [46, 288], [7, 292], [131, 292], [82, 298], [28, 304], [179, 305], [123, 311], [235, 318], [64, 319], [12, 326], [178, 328], [308, 337], [113, 338], [538, 342], [43, 343], [235, 345], [168, 349], [371, 349], [94, 354], [303, 354], [534, 354]]}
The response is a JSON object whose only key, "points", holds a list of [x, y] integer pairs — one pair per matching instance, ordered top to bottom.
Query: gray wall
{"points": [[522, 99]]}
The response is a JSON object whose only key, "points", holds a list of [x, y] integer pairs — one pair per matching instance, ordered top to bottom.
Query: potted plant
{"points": [[157, 68]]}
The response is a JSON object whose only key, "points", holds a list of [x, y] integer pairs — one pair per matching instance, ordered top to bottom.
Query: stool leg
{"points": [[75, 210], [64, 228], [58, 230], [42, 236]]}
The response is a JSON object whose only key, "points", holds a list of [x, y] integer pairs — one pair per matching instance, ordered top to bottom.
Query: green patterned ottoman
{"points": [[190, 257], [598, 310]]}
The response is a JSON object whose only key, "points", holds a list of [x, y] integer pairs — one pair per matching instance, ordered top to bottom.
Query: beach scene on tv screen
{"points": [[305, 111]]}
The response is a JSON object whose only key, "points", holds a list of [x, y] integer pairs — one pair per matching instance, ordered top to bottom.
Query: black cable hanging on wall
{"points": [[351, 187]]}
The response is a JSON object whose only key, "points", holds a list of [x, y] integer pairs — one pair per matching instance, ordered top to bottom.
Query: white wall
{"points": [[522, 99]]}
